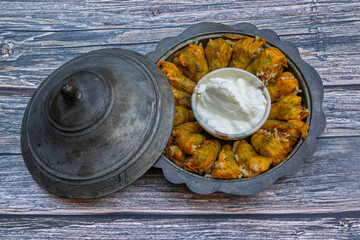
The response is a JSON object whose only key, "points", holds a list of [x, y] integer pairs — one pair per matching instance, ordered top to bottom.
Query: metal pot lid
{"points": [[97, 123]]}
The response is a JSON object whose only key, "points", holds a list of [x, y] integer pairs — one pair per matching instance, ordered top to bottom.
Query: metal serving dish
{"points": [[312, 95]]}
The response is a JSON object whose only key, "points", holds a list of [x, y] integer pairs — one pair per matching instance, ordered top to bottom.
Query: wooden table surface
{"points": [[321, 201]]}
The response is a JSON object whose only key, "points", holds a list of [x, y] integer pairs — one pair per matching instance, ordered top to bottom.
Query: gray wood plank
{"points": [[53, 33], [36, 37], [327, 182], [188, 227]]}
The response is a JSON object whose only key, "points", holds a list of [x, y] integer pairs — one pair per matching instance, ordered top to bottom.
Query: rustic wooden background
{"points": [[321, 201]]}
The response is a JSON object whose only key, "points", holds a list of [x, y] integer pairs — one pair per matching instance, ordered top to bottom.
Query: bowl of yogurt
{"points": [[230, 103]]}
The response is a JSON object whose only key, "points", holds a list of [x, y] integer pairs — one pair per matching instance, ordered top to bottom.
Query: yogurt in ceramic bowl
{"points": [[231, 103]]}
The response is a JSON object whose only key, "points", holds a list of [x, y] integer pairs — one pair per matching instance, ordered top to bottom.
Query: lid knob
{"points": [[70, 93], [79, 100]]}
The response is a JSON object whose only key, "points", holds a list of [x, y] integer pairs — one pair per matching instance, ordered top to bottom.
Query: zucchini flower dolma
{"points": [[245, 50], [218, 53], [191, 61], [268, 64], [176, 78], [283, 85], [181, 98], [288, 108], [183, 115], [189, 127], [295, 128], [304, 128], [287, 132], [189, 142], [267, 145], [175, 154], [204, 157], [250, 163], [226, 167]]}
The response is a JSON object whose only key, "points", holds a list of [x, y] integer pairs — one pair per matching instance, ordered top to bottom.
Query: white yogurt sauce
{"points": [[230, 105]]}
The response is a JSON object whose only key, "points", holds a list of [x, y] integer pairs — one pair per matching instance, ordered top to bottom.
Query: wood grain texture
{"points": [[43, 40], [327, 182], [321, 201], [181, 227]]}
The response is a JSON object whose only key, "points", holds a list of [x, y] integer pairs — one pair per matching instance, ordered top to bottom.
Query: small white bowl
{"points": [[233, 73]]}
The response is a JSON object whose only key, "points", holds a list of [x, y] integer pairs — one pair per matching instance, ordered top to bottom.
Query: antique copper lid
{"points": [[97, 123]]}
